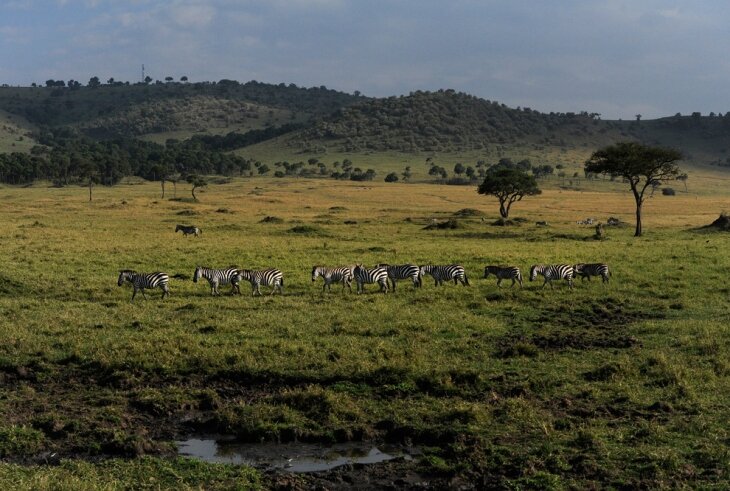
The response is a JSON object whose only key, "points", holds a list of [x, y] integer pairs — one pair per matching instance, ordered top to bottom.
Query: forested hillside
{"points": [[104, 131]]}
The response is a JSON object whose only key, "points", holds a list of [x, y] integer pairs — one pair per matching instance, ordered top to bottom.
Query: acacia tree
{"points": [[640, 165], [197, 182], [508, 185]]}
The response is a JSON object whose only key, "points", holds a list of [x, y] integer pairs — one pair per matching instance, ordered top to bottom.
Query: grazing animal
{"points": [[587, 221], [188, 230], [593, 269], [403, 272], [553, 272], [446, 273], [504, 273], [342, 274], [377, 275], [219, 277], [267, 277], [141, 281]]}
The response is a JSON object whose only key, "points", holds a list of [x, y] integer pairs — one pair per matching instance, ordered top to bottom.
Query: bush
{"points": [[392, 177], [668, 191]]}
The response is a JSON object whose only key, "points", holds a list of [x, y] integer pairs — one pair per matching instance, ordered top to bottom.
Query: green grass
{"points": [[623, 385]]}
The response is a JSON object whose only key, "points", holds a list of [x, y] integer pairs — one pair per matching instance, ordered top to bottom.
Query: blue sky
{"points": [[615, 57]]}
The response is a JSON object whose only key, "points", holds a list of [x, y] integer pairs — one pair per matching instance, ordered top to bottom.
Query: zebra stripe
{"points": [[188, 230], [593, 269], [403, 272], [553, 272], [446, 273], [504, 273], [341, 274], [367, 276], [218, 277], [267, 277], [141, 281]]}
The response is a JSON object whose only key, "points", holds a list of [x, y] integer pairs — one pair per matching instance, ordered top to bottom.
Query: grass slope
{"points": [[623, 385]]}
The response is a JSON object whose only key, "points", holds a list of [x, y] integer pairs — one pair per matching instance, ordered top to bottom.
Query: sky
{"points": [[618, 58]]}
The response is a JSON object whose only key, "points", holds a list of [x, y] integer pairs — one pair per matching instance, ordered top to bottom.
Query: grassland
{"points": [[624, 385]]}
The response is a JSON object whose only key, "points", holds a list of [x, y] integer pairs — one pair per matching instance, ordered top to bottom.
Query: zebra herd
{"points": [[384, 275]]}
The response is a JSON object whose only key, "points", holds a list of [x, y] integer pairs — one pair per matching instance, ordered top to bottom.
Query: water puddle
{"points": [[292, 457]]}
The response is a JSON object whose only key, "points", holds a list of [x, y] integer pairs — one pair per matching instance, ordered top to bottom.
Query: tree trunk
{"points": [[90, 182], [163, 189], [174, 189], [193, 191], [503, 212], [638, 219]]}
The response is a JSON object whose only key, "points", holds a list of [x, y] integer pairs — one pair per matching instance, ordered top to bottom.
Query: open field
{"points": [[624, 385]]}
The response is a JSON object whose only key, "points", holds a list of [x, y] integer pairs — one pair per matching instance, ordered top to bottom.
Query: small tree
{"points": [[640, 165], [459, 169], [407, 173], [392, 177], [683, 178], [197, 182], [508, 185]]}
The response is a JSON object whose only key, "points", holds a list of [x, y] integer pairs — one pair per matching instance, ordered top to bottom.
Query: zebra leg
{"points": [[392, 280], [499, 283], [513, 283], [165, 291], [134, 292], [144, 295]]}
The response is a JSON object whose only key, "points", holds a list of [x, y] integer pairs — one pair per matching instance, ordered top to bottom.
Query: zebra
{"points": [[188, 230], [594, 269], [403, 272], [553, 272], [446, 273], [504, 273], [342, 274], [377, 275], [218, 277], [267, 277], [140, 281]]}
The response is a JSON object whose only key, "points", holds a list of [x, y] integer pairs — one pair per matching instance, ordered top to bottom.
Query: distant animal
{"points": [[587, 221], [541, 224], [188, 230], [593, 269], [402, 272], [446, 273], [504, 273], [552, 273], [340, 274], [365, 276], [218, 277], [267, 277], [142, 281]]}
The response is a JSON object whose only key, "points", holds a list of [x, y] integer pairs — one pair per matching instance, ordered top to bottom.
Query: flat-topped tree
{"points": [[641, 165], [508, 185]]}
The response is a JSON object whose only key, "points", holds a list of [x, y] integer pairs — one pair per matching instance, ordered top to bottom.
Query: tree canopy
{"points": [[642, 166], [508, 185]]}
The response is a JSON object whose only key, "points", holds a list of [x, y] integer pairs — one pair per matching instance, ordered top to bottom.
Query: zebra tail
{"points": [[466, 280]]}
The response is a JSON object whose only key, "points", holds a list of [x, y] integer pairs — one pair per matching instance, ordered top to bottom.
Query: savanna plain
{"points": [[623, 385]]}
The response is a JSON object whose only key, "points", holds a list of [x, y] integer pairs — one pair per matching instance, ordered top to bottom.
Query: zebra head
{"points": [[178, 228], [536, 268], [578, 268], [356, 270], [424, 270], [487, 270], [316, 271], [198, 273], [124, 275]]}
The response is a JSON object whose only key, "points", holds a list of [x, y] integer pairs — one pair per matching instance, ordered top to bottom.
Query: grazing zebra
{"points": [[188, 230], [594, 269], [403, 272], [553, 272], [446, 273], [504, 273], [341, 274], [377, 275], [218, 277], [267, 277], [140, 281]]}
